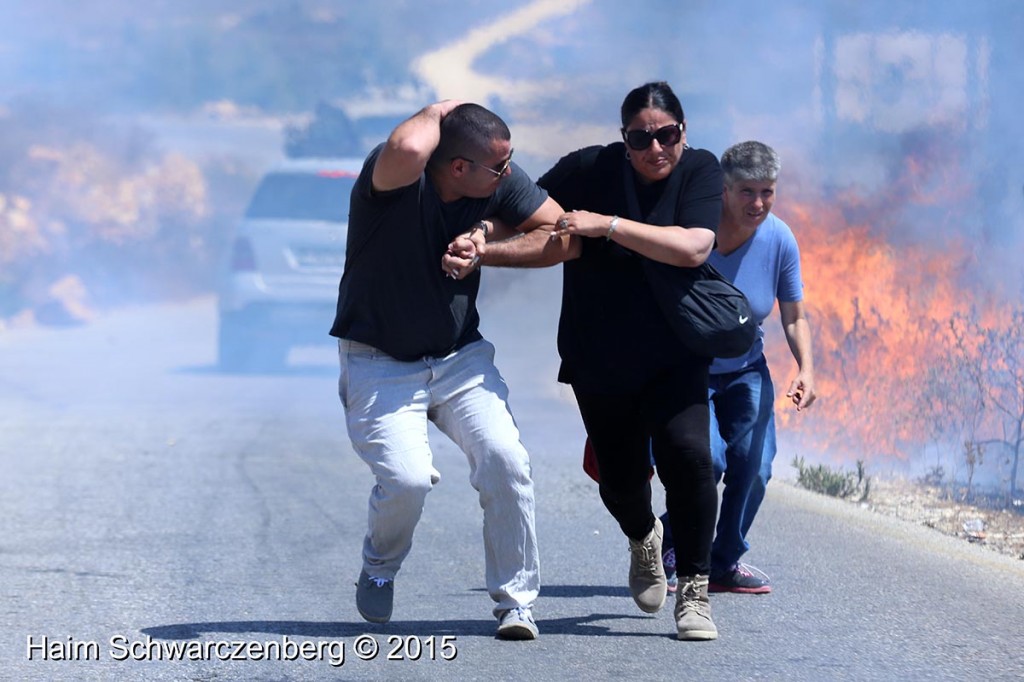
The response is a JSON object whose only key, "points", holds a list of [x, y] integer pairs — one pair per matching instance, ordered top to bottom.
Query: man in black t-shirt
{"points": [[411, 352]]}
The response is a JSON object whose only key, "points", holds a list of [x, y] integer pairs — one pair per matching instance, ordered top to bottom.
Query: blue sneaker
{"points": [[668, 560], [742, 579], [374, 598]]}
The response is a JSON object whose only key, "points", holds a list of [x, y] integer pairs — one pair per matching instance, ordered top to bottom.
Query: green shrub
{"points": [[821, 479]]}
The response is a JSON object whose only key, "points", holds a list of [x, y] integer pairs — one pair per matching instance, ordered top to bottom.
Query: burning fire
{"points": [[73, 212], [880, 308]]}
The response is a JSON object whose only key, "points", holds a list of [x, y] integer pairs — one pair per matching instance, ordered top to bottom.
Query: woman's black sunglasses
{"points": [[642, 139]]}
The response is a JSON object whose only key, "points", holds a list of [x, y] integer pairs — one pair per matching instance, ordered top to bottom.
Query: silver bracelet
{"points": [[611, 227]]}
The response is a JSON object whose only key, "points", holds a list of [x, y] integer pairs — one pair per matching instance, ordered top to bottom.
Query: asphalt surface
{"points": [[153, 507]]}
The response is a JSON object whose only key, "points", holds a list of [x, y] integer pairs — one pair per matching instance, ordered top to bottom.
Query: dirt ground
{"points": [[1001, 530]]}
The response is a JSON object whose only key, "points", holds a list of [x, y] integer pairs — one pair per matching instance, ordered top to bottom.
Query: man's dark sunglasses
{"points": [[642, 139], [497, 172]]}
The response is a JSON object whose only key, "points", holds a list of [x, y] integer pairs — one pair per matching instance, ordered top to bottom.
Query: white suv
{"points": [[280, 286]]}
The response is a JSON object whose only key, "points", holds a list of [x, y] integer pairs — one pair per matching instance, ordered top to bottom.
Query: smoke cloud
{"points": [[134, 135]]}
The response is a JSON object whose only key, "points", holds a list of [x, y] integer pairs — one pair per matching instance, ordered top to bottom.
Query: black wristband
{"points": [[482, 226]]}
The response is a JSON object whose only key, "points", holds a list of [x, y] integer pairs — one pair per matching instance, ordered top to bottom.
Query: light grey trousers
{"points": [[388, 404]]}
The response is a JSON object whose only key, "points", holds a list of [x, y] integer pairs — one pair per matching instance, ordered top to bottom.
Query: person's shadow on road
{"points": [[599, 624], [587, 625]]}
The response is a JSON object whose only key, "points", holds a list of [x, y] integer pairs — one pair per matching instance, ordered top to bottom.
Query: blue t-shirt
{"points": [[765, 268]]}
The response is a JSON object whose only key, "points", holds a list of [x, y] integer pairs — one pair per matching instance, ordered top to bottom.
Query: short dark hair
{"points": [[655, 95], [468, 131], [751, 161]]}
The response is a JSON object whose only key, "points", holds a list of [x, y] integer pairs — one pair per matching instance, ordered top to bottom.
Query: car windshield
{"points": [[302, 196]]}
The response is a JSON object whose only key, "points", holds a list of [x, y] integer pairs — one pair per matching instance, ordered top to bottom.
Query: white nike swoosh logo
{"points": [[743, 320]]}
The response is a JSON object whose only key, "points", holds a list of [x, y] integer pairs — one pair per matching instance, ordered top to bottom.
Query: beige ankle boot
{"points": [[647, 581], [693, 609]]}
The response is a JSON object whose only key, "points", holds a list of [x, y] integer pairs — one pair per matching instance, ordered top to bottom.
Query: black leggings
{"points": [[669, 417]]}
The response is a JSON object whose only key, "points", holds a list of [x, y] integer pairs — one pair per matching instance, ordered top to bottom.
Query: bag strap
{"points": [[670, 195], [663, 212]]}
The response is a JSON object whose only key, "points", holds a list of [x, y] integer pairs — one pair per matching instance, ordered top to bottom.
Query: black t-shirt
{"points": [[393, 294], [612, 336]]}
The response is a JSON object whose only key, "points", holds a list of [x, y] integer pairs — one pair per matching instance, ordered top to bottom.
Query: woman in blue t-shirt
{"points": [[759, 254]]}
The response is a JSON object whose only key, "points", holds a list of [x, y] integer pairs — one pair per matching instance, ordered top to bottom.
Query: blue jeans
{"points": [[388, 404], [743, 419]]}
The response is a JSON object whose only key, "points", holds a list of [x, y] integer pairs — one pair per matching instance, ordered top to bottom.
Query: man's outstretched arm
{"points": [[529, 245]]}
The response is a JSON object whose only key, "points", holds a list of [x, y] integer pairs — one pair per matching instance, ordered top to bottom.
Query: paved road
{"points": [[148, 501]]}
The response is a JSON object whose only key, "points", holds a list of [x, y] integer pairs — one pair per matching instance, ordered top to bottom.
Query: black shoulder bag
{"points": [[706, 311]]}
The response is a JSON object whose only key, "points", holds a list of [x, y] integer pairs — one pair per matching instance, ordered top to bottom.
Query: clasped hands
{"points": [[464, 254]]}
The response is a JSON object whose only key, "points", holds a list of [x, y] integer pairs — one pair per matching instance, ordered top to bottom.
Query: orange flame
{"points": [[879, 312]]}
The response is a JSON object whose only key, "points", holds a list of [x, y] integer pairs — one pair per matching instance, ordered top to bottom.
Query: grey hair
{"points": [[750, 161]]}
